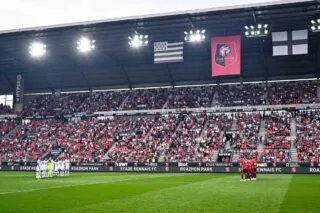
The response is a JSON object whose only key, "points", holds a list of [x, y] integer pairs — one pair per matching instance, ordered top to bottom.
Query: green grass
{"points": [[170, 193]]}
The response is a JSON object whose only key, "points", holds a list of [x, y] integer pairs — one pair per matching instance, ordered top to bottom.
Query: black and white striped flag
{"points": [[290, 42], [165, 52]]}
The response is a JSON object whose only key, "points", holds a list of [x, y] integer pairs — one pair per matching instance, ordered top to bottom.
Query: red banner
{"points": [[226, 55]]}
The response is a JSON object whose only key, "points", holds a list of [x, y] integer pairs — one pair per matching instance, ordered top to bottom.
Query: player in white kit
{"points": [[67, 167], [44, 168], [56, 168], [38, 169]]}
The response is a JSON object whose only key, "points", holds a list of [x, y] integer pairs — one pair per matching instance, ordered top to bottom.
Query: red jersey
{"points": [[246, 164], [251, 164], [254, 164]]}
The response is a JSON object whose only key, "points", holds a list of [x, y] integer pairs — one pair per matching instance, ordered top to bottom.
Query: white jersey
{"points": [[67, 164], [55, 165], [44, 166], [61, 167], [38, 168]]}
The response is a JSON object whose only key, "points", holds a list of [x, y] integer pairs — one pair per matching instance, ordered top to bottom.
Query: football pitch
{"points": [[131, 192]]}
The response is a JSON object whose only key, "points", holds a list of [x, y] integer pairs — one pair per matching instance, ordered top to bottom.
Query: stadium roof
{"points": [[113, 64]]}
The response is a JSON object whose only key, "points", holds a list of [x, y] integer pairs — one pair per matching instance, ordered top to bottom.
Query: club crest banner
{"points": [[226, 55]]}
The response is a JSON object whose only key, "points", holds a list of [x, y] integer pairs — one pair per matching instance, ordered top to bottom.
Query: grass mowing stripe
{"points": [[63, 180], [64, 186], [170, 193], [225, 194], [303, 195], [56, 200]]}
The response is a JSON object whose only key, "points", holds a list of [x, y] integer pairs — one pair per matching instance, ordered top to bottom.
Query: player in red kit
{"points": [[246, 169], [254, 169], [242, 171]]}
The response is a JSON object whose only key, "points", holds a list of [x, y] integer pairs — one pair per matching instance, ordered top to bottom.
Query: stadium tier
{"points": [[280, 93], [270, 136]]}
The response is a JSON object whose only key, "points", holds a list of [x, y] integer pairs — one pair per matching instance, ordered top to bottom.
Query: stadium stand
{"points": [[292, 93], [241, 95], [190, 97], [146, 99], [103, 101], [54, 105], [5, 109], [6, 126], [247, 131], [308, 137], [171, 138], [142, 139], [85, 140], [29, 141], [185, 141]]}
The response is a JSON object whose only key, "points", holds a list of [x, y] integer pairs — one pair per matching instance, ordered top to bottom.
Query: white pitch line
{"points": [[83, 184], [57, 187]]}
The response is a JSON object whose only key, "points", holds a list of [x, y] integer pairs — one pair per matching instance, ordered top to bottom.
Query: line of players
{"points": [[51, 168], [248, 169]]}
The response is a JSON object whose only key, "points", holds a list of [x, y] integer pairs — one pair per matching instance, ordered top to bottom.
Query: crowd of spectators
{"points": [[303, 92], [241, 95], [182, 97], [190, 97], [146, 99], [103, 101], [54, 105], [5, 109], [6, 125], [216, 126], [278, 130], [246, 135], [308, 136], [170, 138], [142, 139], [85, 140], [29, 141], [184, 142], [247, 154], [275, 156]]}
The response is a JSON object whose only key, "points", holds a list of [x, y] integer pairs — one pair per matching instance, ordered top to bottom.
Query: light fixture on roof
{"points": [[315, 25], [257, 30], [195, 36], [138, 40], [85, 45], [37, 49]]}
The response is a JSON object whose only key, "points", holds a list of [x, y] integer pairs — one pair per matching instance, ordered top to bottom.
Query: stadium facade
{"points": [[116, 109]]}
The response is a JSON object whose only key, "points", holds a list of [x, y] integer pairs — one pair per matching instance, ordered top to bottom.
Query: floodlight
{"points": [[315, 25], [257, 30], [195, 35], [138, 40], [85, 45], [37, 49]]}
